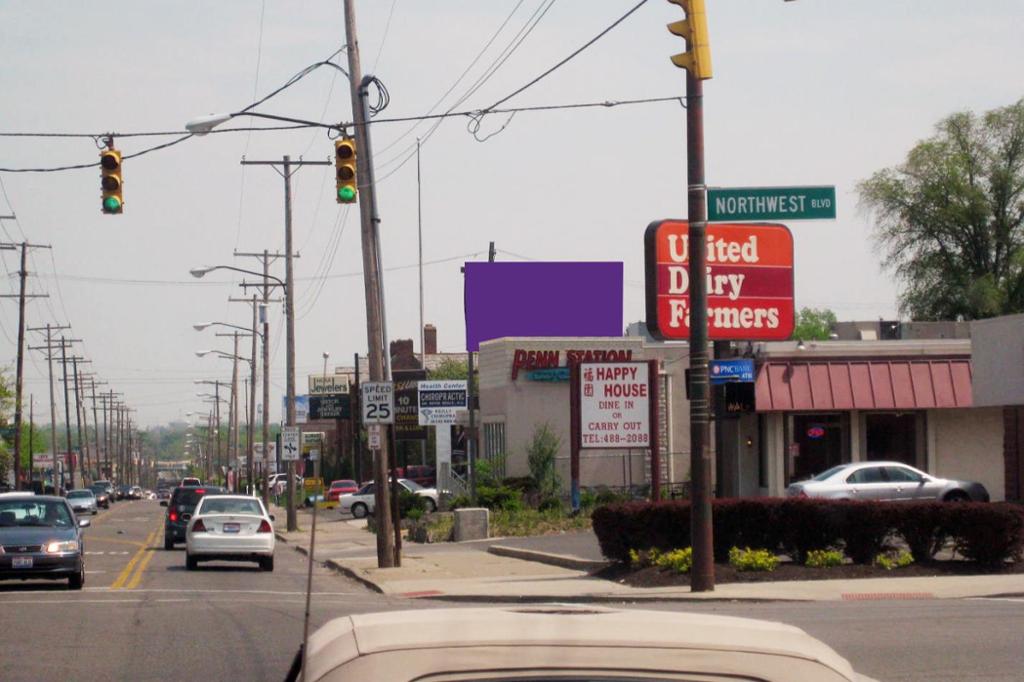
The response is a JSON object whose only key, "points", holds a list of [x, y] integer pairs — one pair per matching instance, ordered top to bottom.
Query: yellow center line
{"points": [[150, 551], [123, 575]]}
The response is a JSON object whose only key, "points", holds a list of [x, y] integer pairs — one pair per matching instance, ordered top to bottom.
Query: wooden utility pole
{"points": [[266, 258], [289, 293], [49, 329], [376, 335], [20, 373]]}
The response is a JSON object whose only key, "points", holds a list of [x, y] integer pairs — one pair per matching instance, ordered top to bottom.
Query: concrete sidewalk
{"points": [[485, 571]]}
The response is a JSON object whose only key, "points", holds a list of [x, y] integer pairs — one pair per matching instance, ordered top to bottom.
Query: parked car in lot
{"points": [[425, 475], [893, 481], [341, 487], [101, 494], [82, 501], [361, 502], [180, 508], [230, 528], [40, 537], [566, 643]]}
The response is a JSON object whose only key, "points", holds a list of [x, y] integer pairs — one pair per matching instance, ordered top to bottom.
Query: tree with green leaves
{"points": [[949, 220], [814, 324]]}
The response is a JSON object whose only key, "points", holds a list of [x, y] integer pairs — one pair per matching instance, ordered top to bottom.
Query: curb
{"points": [[560, 560], [354, 575], [597, 599]]}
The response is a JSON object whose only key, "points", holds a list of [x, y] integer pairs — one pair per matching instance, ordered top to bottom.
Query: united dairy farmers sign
{"points": [[749, 280]]}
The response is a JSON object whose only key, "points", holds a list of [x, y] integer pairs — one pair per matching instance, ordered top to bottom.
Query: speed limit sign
{"points": [[378, 402]]}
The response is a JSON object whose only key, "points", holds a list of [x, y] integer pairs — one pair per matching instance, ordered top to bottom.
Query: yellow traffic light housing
{"points": [[694, 30], [345, 170], [111, 182]]}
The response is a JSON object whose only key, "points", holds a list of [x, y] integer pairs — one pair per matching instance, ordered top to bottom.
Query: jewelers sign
{"points": [[749, 279], [614, 405]]}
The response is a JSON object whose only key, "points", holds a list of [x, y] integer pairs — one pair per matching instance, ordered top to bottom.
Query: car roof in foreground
{"points": [[572, 627]]}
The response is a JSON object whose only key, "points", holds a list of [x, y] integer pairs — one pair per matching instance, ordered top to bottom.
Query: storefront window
{"points": [[892, 436], [818, 442]]}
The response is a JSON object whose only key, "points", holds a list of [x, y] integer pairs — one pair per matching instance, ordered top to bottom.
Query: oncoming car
{"points": [[891, 481], [83, 501], [230, 528], [40, 537], [562, 642]]}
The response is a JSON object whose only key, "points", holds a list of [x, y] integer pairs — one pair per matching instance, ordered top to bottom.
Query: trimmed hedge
{"points": [[986, 533]]}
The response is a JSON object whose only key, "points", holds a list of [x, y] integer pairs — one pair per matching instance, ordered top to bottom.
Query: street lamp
{"points": [[289, 360]]}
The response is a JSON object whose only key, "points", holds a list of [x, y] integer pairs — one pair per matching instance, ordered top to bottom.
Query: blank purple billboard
{"points": [[542, 299]]}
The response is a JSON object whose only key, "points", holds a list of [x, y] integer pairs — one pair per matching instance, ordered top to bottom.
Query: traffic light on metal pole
{"points": [[694, 30], [345, 167], [111, 182]]}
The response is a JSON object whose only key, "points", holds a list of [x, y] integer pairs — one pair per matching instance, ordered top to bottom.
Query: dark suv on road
{"points": [[179, 510]]}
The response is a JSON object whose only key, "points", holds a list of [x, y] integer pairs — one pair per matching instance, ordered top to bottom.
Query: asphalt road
{"points": [[141, 616]]}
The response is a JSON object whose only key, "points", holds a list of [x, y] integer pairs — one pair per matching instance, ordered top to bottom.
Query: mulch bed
{"points": [[725, 573]]}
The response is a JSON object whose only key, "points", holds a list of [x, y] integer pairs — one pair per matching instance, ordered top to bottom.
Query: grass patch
{"points": [[522, 522]]}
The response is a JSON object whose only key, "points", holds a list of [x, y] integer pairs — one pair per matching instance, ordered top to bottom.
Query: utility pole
{"points": [[266, 258], [289, 294], [49, 329], [376, 333], [19, 375], [67, 406], [31, 435], [82, 447]]}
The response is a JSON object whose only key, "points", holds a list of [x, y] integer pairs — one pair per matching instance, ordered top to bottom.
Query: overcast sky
{"points": [[817, 92]]}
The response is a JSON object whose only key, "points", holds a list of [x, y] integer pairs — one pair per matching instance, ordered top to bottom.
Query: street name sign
{"points": [[726, 204], [727, 371], [441, 401], [378, 402], [614, 405], [290, 444]]}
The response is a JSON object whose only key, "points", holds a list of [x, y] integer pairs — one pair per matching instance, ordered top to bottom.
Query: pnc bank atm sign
{"points": [[748, 278]]}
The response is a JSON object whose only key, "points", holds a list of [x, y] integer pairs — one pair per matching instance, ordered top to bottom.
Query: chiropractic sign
{"points": [[748, 275]]}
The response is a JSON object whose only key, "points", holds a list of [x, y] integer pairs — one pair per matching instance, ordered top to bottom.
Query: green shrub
{"points": [[541, 452], [606, 496], [499, 497], [588, 499], [460, 501], [408, 502], [550, 504], [415, 514], [824, 558], [752, 559], [678, 560], [891, 560]]}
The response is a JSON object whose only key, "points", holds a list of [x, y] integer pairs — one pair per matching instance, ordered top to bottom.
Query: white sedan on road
{"points": [[361, 502], [230, 528]]}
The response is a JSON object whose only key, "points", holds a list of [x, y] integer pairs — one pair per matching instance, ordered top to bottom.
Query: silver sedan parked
{"points": [[892, 481]]}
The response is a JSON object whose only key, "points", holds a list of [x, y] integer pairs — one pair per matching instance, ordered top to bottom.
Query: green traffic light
{"points": [[347, 193], [112, 205]]}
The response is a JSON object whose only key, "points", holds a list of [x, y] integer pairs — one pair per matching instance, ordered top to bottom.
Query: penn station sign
{"points": [[748, 279], [548, 365]]}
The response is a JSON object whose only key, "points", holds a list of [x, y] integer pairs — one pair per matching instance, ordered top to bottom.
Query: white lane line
{"points": [[1016, 600]]}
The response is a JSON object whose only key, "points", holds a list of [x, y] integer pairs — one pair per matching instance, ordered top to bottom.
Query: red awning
{"points": [[863, 384]]}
